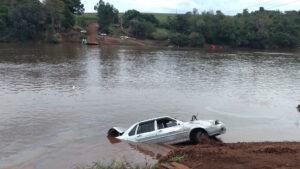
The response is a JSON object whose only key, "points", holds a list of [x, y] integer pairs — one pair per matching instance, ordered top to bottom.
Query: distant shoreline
{"points": [[114, 41]]}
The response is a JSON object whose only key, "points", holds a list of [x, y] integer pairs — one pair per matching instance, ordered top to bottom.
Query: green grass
{"points": [[90, 16], [162, 17], [82, 20], [178, 159], [115, 165]]}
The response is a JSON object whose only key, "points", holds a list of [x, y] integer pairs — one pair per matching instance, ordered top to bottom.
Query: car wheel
{"points": [[201, 137]]}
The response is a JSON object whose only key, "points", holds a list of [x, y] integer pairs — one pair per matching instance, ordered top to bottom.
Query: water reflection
{"points": [[37, 53], [110, 62], [36, 67], [153, 150]]}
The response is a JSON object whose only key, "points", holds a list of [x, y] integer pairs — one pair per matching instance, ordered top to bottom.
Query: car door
{"points": [[146, 132], [171, 135]]}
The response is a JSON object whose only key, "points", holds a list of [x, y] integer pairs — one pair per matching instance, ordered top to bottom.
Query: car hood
{"points": [[202, 123]]}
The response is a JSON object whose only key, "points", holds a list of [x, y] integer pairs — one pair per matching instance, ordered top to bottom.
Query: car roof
{"points": [[155, 119], [149, 120]]}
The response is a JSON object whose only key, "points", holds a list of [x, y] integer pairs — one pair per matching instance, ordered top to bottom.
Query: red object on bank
{"points": [[213, 47]]}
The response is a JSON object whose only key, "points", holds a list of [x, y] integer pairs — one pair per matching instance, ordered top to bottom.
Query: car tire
{"points": [[201, 137]]}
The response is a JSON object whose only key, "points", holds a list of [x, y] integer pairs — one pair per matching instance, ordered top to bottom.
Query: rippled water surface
{"points": [[45, 122]]}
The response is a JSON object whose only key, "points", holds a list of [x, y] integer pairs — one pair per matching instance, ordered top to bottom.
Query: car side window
{"points": [[166, 123], [171, 123], [146, 127], [132, 132]]}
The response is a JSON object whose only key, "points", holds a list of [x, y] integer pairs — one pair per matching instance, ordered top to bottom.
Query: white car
{"points": [[168, 130]]}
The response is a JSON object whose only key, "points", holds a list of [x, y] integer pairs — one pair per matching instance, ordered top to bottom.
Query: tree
{"points": [[75, 6], [55, 9], [195, 11], [62, 12], [107, 15], [136, 15], [129, 16], [4, 17], [150, 18], [28, 19], [68, 19], [141, 29], [226, 31], [160, 34], [180, 39], [196, 39], [285, 40]]}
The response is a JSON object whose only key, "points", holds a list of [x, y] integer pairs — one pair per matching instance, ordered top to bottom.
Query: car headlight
{"points": [[223, 129]]}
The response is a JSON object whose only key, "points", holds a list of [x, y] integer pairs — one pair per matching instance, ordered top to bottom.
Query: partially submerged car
{"points": [[168, 130]]}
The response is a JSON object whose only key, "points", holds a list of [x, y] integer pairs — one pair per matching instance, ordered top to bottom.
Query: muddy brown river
{"points": [[58, 101]]}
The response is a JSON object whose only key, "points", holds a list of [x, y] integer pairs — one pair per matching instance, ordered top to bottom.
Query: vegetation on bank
{"points": [[92, 16], [22, 20], [258, 29], [178, 158], [116, 165]]}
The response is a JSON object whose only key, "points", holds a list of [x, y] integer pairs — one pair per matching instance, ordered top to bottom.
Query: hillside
{"points": [[160, 16]]}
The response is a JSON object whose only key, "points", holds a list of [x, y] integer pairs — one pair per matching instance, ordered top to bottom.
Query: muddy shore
{"points": [[237, 155]]}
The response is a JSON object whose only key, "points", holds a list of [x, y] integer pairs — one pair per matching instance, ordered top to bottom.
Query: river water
{"points": [[58, 101]]}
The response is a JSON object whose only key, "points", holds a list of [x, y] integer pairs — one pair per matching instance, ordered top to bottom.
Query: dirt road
{"points": [[92, 34], [284, 155]]}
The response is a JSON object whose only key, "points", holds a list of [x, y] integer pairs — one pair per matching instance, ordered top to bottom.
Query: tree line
{"points": [[27, 19], [258, 29]]}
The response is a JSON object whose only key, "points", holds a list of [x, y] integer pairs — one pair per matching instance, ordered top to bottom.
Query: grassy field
{"points": [[91, 16], [162, 17]]}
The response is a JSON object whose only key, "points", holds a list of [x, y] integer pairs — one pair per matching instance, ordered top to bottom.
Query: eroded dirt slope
{"points": [[239, 155]]}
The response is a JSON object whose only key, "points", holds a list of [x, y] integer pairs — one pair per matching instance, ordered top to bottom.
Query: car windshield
{"points": [[166, 123], [132, 132]]}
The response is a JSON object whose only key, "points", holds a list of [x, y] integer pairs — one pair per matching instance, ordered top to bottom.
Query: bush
{"points": [[81, 21], [50, 28], [141, 29], [149, 29], [160, 34], [55, 39], [196, 39], [180, 40], [285, 40]]}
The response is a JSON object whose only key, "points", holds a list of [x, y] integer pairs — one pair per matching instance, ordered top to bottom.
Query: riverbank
{"points": [[74, 36], [110, 40], [235, 155], [223, 156]]}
